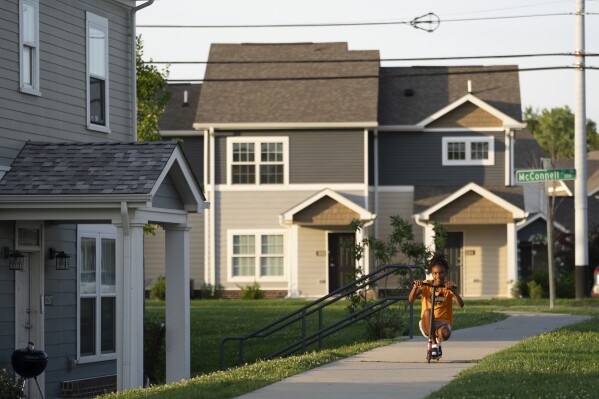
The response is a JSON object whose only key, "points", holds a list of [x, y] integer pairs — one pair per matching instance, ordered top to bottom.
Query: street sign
{"points": [[534, 176]]}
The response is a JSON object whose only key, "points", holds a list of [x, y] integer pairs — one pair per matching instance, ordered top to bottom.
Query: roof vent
{"points": [[469, 86], [408, 92], [185, 99]]}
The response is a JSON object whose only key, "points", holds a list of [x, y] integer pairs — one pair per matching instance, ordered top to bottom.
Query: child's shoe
{"points": [[439, 350], [435, 351]]}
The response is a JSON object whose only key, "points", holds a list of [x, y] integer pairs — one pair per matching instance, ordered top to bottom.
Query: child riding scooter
{"points": [[442, 292]]}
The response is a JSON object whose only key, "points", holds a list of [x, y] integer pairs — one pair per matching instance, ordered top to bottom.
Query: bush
{"points": [[520, 289], [158, 290], [535, 290], [209, 291], [252, 291], [154, 356], [10, 388]]}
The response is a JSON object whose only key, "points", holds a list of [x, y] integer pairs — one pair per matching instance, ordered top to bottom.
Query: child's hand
{"points": [[418, 283], [450, 285]]}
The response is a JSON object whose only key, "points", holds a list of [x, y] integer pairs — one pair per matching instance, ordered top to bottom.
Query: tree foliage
{"points": [[152, 95], [554, 131]]}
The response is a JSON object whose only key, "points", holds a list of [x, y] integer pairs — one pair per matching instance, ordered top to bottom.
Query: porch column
{"points": [[293, 246], [512, 257], [177, 303], [130, 306]]}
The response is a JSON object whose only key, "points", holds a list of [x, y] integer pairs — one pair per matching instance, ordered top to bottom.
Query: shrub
{"points": [[520, 288], [158, 290], [535, 290], [209, 291], [252, 291], [10, 388]]}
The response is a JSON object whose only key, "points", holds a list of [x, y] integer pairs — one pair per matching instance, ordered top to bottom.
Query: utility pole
{"points": [[549, 207], [581, 260]]}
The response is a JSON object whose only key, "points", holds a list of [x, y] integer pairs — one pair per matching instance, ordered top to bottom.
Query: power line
{"points": [[303, 61], [379, 76]]}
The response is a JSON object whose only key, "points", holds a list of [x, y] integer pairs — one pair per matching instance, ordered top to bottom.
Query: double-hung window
{"points": [[29, 46], [97, 73], [468, 151], [257, 160], [256, 256], [97, 295]]}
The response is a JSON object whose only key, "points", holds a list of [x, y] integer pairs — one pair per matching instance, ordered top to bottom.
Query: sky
{"points": [[454, 36]]}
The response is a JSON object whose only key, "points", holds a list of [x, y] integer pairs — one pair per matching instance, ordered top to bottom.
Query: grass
{"points": [[561, 364]]}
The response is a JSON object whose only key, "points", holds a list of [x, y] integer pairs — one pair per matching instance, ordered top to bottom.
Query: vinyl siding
{"points": [[59, 114], [193, 148], [314, 156], [415, 158], [167, 195], [395, 204], [256, 211], [154, 253], [313, 269], [484, 274], [7, 298]]}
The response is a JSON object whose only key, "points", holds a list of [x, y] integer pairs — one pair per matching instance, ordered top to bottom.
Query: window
{"points": [[29, 46], [97, 73], [468, 151], [257, 161], [257, 256], [97, 296]]}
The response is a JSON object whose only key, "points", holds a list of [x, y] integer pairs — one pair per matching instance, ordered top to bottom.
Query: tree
{"points": [[152, 95], [554, 131]]}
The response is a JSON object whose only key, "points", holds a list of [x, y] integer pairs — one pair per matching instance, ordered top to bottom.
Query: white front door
{"points": [[29, 318]]}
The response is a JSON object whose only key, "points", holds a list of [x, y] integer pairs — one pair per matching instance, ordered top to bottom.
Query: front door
{"points": [[453, 250], [342, 267], [29, 311]]}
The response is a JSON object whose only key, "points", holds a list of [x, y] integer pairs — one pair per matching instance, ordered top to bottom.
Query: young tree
{"points": [[152, 95]]}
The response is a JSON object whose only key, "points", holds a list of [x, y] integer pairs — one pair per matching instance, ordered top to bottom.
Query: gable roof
{"points": [[443, 86], [285, 92], [179, 115], [111, 171], [592, 172], [428, 200]]}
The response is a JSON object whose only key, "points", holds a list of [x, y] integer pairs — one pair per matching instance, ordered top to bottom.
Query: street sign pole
{"points": [[549, 212]]}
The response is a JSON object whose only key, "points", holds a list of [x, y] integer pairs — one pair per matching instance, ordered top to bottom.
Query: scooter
{"points": [[432, 331]]}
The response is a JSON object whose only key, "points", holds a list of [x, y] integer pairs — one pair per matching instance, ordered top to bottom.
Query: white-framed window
{"points": [[29, 43], [97, 73], [468, 151], [257, 160], [256, 255], [97, 293]]}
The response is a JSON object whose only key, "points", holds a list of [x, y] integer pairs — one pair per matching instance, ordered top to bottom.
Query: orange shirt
{"points": [[443, 303]]}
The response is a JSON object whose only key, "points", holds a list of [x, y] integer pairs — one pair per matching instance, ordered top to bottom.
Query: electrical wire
{"points": [[473, 57], [380, 76]]}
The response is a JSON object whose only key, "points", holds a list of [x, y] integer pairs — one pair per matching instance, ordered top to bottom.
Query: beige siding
{"points": [[467, 115], [471, 208], [254, 211], [154, 253], [312, 268], [484, 274]]}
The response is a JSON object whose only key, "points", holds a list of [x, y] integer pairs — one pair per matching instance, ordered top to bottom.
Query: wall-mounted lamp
{"points": [[15, 258], [62, 259]]}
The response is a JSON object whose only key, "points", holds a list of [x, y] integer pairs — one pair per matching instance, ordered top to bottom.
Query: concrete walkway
{"points": [[400, 370]]}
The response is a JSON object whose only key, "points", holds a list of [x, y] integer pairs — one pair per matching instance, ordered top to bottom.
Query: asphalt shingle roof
{"points": [[430, 94], [289, 98], [179, 115], [86, 168]]}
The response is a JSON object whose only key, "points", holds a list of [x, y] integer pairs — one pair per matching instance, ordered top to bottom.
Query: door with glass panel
{"points": [[97, 296]]}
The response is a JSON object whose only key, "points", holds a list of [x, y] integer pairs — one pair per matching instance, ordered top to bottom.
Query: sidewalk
{"points": [[400, 370]]}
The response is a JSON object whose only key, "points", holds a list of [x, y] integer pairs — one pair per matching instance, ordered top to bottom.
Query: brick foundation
{"points": [[88, 388]]}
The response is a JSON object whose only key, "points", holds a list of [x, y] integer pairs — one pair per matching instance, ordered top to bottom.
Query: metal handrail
{"points": [[318, 306]]}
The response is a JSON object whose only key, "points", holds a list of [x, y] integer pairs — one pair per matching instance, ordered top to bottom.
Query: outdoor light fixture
{"points": [[15, 259], [62, 259]]}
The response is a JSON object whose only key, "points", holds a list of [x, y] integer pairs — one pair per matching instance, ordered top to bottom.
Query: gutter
{"points": [[142, 6]]}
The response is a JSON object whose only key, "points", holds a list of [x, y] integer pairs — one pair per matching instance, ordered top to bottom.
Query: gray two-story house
{"points": [[293, 141], [76, 191]]}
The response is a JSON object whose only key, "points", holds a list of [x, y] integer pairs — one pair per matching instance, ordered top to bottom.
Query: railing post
{"points": [[320, 329], [304, 330]]}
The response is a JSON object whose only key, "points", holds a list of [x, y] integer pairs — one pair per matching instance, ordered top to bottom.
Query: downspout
{"points": [[134, 63], [375, 162], [213, 206], [207, 212]]}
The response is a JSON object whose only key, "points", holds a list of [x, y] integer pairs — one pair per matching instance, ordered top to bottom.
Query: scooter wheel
{"points": [[428, 356]]}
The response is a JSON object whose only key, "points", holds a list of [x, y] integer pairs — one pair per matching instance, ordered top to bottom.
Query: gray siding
{"points": [[59, 114], [193, 148], [314, 156], [415, 158], [167, 195], [7, 298], [61, 317]]}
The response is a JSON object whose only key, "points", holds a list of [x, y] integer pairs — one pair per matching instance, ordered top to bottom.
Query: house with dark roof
{"points": [[294, 141], [76, 191]]}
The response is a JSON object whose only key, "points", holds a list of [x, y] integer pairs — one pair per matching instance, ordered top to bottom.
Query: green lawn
{"points": [[556, 365]]}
